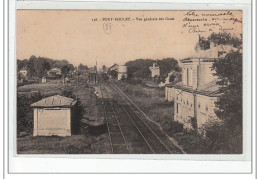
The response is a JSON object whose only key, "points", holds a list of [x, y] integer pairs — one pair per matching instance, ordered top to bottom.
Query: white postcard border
{"points": [[168, 163]]}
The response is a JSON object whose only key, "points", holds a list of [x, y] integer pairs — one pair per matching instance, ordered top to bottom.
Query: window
{"points": [[188, 77], [187, 102], [199, 105], [177, 108], [207, 108]]}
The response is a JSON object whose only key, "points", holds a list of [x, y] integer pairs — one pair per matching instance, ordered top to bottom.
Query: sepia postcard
{"points": [[129, 82], [115, 87], [129, 87]]}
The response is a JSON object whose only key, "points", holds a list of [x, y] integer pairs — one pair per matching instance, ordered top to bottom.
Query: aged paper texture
{"points": [[129, 82]]}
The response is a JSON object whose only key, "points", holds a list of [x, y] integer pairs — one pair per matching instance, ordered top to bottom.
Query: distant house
{"points": [[114, 67], [120, 69], [155, 70], [24, 72], [54, 72], [22, 75], [53, 116]]}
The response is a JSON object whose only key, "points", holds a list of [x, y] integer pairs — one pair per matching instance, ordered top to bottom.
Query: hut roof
{"points": [[55, 101]]}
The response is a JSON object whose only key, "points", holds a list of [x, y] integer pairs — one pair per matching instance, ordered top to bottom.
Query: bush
{"points": [[133, 81], [68, 93], [24, 112], [176, 127], [222, 139]]}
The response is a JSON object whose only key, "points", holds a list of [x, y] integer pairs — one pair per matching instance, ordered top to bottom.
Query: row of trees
{"points": [[219, 39], [38, 66], [140, 68]]}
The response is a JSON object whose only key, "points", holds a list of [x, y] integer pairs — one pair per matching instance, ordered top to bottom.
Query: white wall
{"points": [[122, 69], [187, 74], [206, 74], [169, 94], [185, 102], [204, 115], [49, 122]]}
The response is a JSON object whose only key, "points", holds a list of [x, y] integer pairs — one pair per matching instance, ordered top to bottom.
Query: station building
{"points": [[120, 69], [195, 95]]}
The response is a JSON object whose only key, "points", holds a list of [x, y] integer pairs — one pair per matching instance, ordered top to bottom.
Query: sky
{"points": [[75, 36]]}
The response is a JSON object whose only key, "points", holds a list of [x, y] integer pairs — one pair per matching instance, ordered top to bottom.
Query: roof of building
{"points": [[114, 66], [55, 68], [24, 69], [170, 85], [209, 89], [55, 101]]}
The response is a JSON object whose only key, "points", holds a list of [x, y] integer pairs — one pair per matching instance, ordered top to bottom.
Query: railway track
{"points": [[137, 135], [117, 138], [155, 143]]}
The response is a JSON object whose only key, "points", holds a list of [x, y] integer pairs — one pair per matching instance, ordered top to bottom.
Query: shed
{"points": [[53, 115]]}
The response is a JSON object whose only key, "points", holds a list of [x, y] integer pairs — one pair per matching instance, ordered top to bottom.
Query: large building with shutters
{"points": [[195, 96]]}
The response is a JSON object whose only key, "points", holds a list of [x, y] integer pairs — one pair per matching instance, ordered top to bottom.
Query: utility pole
{"points": [[91, 94], [195, 106]]}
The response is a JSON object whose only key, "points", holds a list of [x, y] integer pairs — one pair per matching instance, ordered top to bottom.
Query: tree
{"points": [[225, 38], [219, 39], [21, 64], [31, 66], [38, 66], [42, 66], [82, 67], [140, 67], [65, 70], [229, 72], [113, 73], [172, 77], [229, 104], [24, 112]]}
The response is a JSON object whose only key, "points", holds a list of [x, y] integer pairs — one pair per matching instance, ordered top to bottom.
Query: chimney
{"points": [[213, 50]]}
